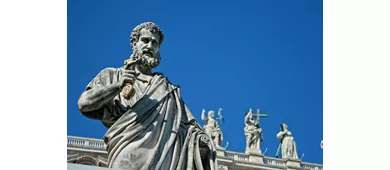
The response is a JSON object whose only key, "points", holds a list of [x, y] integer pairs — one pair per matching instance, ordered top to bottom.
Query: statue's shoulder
{"points": [[110, 70], [107, 74], [158, 74], [165, 77]]}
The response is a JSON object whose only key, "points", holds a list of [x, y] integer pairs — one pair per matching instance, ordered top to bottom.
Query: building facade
{"points": [[92, 152]]}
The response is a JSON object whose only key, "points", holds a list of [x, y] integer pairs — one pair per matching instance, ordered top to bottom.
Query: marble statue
{"points": [[149, 124], [212, 128], [253, 134], [287, 143]]}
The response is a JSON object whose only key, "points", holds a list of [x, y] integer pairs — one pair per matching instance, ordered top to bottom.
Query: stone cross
{"points": [[258, 115]]}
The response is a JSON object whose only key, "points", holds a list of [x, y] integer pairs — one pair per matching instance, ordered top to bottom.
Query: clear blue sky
{"points": [[255, 54]]}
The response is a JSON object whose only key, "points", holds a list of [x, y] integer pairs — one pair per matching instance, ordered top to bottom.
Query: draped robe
{"points": [[152, 130], [213, 130], [253, 134], [289, 147]]}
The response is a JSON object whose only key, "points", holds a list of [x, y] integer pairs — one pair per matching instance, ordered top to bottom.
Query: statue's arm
{"points": [[98, 93], [94, 99], [204, 118], [281, 134]]}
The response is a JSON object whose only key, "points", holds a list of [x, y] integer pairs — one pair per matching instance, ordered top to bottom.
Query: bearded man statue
{"points": [[149, 125]]}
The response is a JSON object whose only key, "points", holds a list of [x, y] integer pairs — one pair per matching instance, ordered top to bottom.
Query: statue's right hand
{"points": [[128, 76]]}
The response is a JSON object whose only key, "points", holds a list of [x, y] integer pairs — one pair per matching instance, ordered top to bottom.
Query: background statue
{"points": [[149, 125], [212, 128], [253, 134], [287, 143]]}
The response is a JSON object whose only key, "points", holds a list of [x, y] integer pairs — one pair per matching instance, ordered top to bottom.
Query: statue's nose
{"points": [[150, 45]]}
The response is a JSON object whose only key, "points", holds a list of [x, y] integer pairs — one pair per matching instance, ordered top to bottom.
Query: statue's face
{"points": [[148, 46], [211, 114], [250, 114], [285, 127]]}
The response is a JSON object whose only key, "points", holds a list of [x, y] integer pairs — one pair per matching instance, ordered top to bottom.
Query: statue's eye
{"points": [[145, 40], [154, 42]]}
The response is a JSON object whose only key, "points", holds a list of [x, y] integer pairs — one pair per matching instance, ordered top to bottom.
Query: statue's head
{"points": [[145, 41], [250, 112], [211, 114], [284, 127]]}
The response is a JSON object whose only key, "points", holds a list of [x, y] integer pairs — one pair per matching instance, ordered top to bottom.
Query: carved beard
{"points": [[146, 61], [150, 62]]}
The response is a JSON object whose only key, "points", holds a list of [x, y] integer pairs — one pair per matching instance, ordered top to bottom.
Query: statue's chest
{"points": [[140, 87], [211, 123]]}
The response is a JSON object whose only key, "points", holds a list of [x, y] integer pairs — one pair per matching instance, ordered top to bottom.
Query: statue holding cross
{"points": [[258, 115], [253, 132]]}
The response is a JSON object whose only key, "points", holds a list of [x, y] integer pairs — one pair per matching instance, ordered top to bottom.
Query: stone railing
{"points": [[86, 143], [96, 144], [237, 156], [274, 161], [311, 166]]}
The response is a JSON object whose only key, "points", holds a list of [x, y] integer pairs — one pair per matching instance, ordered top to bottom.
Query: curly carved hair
{"points": [[152, 27]]}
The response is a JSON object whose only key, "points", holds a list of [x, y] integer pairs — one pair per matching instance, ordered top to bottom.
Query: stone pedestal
{"points": [[255, 156], [291, 163]]}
